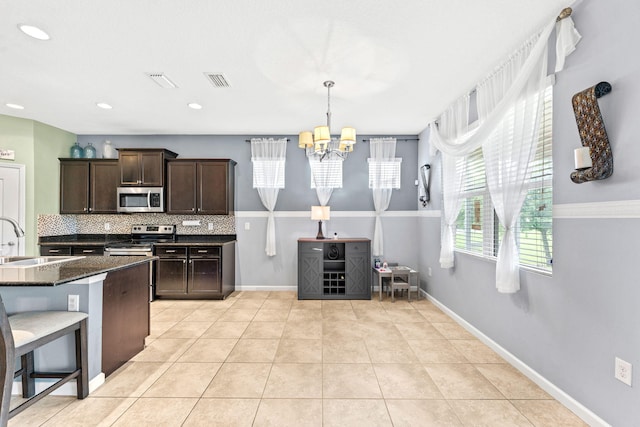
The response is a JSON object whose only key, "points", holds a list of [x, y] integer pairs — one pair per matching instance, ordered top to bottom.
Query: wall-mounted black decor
{"points": [[592, 134], [425, 171]]}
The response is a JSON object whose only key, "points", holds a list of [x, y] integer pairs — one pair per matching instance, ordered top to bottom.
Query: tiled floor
{"points": [[267, 359]]}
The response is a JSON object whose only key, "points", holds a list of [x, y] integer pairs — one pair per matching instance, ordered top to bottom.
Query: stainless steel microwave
{"points": [[140, 199]]}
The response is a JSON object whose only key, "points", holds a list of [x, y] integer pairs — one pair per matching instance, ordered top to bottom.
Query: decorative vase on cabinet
{"points": [[76, 151], [89, 151]]}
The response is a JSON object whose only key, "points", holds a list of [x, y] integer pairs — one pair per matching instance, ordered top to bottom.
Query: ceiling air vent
{"points": [[217, 79], [162, 80]]}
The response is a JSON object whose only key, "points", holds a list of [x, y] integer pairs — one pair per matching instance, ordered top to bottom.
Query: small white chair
{"points": [[400, 280], [20, 335]]}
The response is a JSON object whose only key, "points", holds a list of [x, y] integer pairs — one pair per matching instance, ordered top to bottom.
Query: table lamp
{"points": [[319, 213]]}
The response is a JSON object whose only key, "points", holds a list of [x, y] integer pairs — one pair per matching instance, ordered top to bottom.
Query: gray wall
{"points": [[569, 327]]}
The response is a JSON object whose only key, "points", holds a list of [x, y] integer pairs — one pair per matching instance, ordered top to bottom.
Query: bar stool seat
{"points": [[20, 335]]}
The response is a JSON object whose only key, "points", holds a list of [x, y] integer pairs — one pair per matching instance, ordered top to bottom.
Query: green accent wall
{"points": [[37, 146]]}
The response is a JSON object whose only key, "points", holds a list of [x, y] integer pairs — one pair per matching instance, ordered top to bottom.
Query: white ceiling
{"points": [[396, 64]]}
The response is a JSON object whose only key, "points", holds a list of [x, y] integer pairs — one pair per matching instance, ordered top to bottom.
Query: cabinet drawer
{"points": [[311, 247], [353, 247], [55, 250], [88, 250], [171, 251], [204, 251]]}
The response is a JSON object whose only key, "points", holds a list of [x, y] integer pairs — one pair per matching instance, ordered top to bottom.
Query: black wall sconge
{"points": [[594, 160], [425, 172]]}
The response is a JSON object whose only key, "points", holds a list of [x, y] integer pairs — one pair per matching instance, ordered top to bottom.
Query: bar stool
{"points": [[20, 335]]}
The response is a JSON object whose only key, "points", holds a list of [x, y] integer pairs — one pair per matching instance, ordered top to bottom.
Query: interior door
{"points": [[12, 205]]}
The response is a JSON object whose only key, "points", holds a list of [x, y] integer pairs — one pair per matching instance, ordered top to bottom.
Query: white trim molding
{"points": [[598, 210], [334, 214], [576, 407]]}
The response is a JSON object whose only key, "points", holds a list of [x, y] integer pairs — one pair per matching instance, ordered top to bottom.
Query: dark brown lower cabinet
{"points": [[195, 271], [125, 315]]}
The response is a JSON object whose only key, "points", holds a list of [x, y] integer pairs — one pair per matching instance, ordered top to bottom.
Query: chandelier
{"points": [[319, 142]]}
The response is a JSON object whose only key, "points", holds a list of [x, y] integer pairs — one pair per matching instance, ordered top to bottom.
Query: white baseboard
{"points": [[267, 288], [67, 389], [576, 407]]}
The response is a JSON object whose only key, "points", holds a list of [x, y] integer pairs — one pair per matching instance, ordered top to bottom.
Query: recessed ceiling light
{"points": [[34, 32], [104, 105], [15, 106], [195, 106]]}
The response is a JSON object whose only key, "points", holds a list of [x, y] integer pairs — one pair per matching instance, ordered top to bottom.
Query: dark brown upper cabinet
{"points": [[142, 167], [88, 186], [200, 186]]}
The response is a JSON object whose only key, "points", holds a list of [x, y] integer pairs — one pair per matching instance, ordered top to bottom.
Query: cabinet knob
{"points": [[84, 209], [193, 209], [184, 261]]}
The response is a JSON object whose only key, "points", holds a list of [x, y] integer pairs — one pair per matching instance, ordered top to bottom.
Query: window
{"points": [[268, 173], [326, 173], [384, 173], [477, 227]]}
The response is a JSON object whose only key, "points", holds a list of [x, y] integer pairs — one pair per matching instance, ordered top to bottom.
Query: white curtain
{"points": [[453, 123], [381, 149], [508, 151], [268, 156], [326, 175]]}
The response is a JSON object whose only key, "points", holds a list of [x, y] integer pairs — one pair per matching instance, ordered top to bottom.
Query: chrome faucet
{"points": [[16, 227]]}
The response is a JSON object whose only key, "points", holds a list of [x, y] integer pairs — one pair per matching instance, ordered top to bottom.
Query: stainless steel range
{"points": [[142, 239], [141, 244]]}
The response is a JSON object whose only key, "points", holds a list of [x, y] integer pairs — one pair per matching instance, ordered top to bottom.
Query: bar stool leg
{"points": [[82, 381], [28, 382]]}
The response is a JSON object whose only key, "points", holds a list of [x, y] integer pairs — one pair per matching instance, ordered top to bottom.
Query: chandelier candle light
{"points": [[319, 142], [320, 213]]}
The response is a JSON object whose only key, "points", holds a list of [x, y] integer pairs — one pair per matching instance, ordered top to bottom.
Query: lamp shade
{"points": [[321, 135], [348, 136], [305, 139], [320, 213]]}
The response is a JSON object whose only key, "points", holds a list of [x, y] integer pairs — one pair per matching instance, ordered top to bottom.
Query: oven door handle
{"points": [[149, 199]]}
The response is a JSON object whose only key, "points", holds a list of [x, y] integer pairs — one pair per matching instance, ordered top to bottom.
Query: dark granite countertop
{"points": [[105, 239], [69, 271]]}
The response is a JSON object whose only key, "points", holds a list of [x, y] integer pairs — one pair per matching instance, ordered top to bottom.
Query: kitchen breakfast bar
{"points": [[113, 291]]}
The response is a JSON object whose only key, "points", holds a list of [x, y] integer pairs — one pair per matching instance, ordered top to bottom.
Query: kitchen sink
{"points": [[27, 262]]}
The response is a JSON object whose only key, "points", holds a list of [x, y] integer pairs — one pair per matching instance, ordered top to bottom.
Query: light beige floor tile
{"points": [[254, 295], [286, 295], [400, 303], [186, 304], [248, 304], [277, 304], [366, 304], [306, 305], [336, 305], [172, 314], [205, 314], [304, 314], [338, 314], [434, 314], [238, 315], [271, 315], [372, 315], [405, 316], [159, 328], [186, 329], [304, 329], [333, 329], [225, 330], [264, 330], [378, 330], [418, 331], [453, 331], [164, 350], [209, 350], [254, 350], [299, 351], [345, 351], [390, 351], [436, 351], [476, 351], [132, 379], [184, 380], [239, 380], [294, 380], [350, 381], [405, 381], [462, 381], [511, 383], [40, 411], [99, 411], [157, 412], [223, 413], [289, 413], [355, 413], [427, 413], [489, 413], [548, 413]]}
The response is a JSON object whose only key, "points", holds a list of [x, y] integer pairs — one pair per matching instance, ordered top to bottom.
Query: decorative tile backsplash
{"points": [[54, 225]]}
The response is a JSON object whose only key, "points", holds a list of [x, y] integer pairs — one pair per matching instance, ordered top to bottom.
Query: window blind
{"points": [[384, 173]]}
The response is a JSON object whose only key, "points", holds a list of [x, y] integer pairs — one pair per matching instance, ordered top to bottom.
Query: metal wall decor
{"points": [[592, 134], [425, 171]]}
